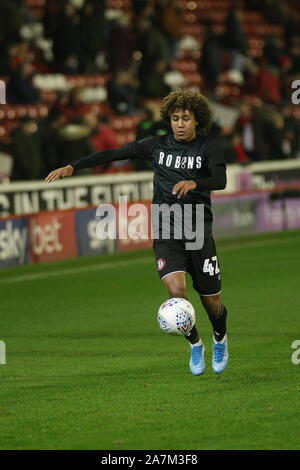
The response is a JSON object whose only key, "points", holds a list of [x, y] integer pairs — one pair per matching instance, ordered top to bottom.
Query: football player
{"points": [[187, 166]]}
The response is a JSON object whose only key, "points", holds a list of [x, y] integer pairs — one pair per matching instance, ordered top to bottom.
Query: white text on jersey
{"points": [[179, 161]]}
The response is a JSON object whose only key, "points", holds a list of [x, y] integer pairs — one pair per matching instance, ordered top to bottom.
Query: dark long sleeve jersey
{"points": [[200, 160]]}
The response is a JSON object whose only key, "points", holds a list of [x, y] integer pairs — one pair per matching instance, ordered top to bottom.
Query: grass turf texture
{"points": [[88, 368]]}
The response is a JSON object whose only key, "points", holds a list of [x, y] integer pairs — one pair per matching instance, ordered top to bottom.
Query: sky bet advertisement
{"points": [[56, 235]]}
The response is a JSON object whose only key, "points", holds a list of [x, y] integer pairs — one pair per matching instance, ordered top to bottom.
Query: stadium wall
{"points": [[23, 198], [40, 222], [62, 234]]}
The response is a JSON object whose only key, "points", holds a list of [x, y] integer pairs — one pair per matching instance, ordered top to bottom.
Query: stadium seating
{"points": [[195, 14], [10, 115]]}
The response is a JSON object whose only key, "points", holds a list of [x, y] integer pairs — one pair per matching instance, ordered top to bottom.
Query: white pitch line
{"points": [[116, 264], [79, 269]]}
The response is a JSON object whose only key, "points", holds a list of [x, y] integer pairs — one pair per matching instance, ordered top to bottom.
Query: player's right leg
{"points": [[171, 265], [176, 287]]}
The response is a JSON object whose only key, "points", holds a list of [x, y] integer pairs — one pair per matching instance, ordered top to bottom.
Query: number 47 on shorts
{"points": [[211, 266]]}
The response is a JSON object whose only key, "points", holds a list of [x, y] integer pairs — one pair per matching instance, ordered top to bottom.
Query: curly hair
{"points": [[191, 101]]}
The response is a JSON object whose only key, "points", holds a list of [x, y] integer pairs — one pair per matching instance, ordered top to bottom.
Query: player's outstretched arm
{"points": [[140, 149], [60, 173]]}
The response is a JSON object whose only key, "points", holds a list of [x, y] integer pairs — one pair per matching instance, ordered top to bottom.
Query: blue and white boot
{"points": [[220, 355], [197, 362]]}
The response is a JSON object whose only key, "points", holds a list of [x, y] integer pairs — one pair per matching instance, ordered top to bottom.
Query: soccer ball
{"points": [[176, 316]]}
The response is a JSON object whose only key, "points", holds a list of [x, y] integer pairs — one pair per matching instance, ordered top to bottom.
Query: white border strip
{"points": [[113, 264], [79, 269]]}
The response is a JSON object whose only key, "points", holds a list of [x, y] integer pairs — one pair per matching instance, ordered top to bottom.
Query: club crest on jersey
{"points": [[178, 161], [160, 263]]}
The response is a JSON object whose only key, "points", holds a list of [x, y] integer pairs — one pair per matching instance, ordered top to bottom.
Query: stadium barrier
{"points": [[23, 198], [252, 212], [63, 234], [57, 235]]}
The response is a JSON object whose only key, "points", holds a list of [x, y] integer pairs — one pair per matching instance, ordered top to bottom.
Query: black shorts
{"points": [[171, 256]]}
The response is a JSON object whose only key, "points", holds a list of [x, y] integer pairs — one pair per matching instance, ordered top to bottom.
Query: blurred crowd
{"points": [[136, 50]]}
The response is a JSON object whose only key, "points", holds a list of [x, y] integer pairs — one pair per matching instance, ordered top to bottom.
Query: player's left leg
{"points": [[205, 271], [217, 314]]}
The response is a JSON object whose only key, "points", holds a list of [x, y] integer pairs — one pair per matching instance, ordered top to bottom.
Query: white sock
{"points": [[222, 340]]}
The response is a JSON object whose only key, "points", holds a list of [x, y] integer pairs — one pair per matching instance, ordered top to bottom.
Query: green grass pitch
{"points": [[88, 368]]}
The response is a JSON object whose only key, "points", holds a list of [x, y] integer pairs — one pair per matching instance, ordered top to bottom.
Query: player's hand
{"points": [[59, 173], [183, 187]]}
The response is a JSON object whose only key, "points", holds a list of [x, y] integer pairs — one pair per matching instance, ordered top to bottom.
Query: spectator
{"points": [[142, 8], [53, 9], [275, 11], [11, 19], [169, 19], [291, 29], [92, 33], [235, 40], [66, 41], [121, 41], [153, 46], [273, 50], [14, 52], [17, 52], [295, 56], [4, 58], [210, 61], [269, 83], [153, 84], [20, 89], [122, 91], [72, 105], [261, 124], [144, 127], [148, 127], [244, 127], [291, 131], [274, 135], [102, 136], [50, 139], [74, 143], [25, 149], [233, 149], [239, 151]]}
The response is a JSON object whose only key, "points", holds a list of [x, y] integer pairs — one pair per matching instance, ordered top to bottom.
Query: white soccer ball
{"points": [[176, 316]]}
